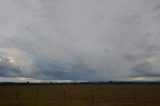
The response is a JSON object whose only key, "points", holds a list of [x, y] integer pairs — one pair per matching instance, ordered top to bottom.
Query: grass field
{"points": [[80, 95]]}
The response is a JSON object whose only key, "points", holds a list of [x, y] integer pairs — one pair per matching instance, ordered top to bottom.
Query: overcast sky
{"points": [[87, 40]]}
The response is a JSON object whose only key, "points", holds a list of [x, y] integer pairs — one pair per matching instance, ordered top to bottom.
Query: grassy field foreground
{"points": [[80, 95]]}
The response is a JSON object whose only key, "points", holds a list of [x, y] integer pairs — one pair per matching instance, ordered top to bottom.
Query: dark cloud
{"points": [[157, 7], [80, 40], [133, 57], [8, 69], [144, 69], [54, 70]]}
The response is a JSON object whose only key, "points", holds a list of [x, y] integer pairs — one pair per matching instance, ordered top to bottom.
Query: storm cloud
{"points": [[80, 39], [8, 69], [145, 70]]}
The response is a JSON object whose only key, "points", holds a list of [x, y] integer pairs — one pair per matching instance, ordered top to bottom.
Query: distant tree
{"points": [[50, 82]]}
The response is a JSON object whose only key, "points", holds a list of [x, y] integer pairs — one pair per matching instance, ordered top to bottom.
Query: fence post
{"points": [[17, 95], [37, 95], [64, 95], [134, 97], [92, 98]]}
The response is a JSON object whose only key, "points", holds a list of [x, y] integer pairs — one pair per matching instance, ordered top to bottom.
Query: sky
{"points": [[79, 40]]}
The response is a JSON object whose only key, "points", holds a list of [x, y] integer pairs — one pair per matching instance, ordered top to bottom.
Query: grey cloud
{"points": [[157, 7], [79, 39], [146, 52], [133, 57], [7, 69], [55, 70], [144, 70]]}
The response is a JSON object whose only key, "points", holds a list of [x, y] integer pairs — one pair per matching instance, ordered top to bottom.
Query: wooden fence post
{"points": [[37, 94], [17, 95], [64, 95], [134, 97], [92, 98]]}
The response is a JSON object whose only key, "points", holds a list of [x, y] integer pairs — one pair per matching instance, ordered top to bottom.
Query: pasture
{"points": [[80, 95]]}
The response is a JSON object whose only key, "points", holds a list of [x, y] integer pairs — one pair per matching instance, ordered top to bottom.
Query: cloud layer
{"points": [[80, 39]]}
